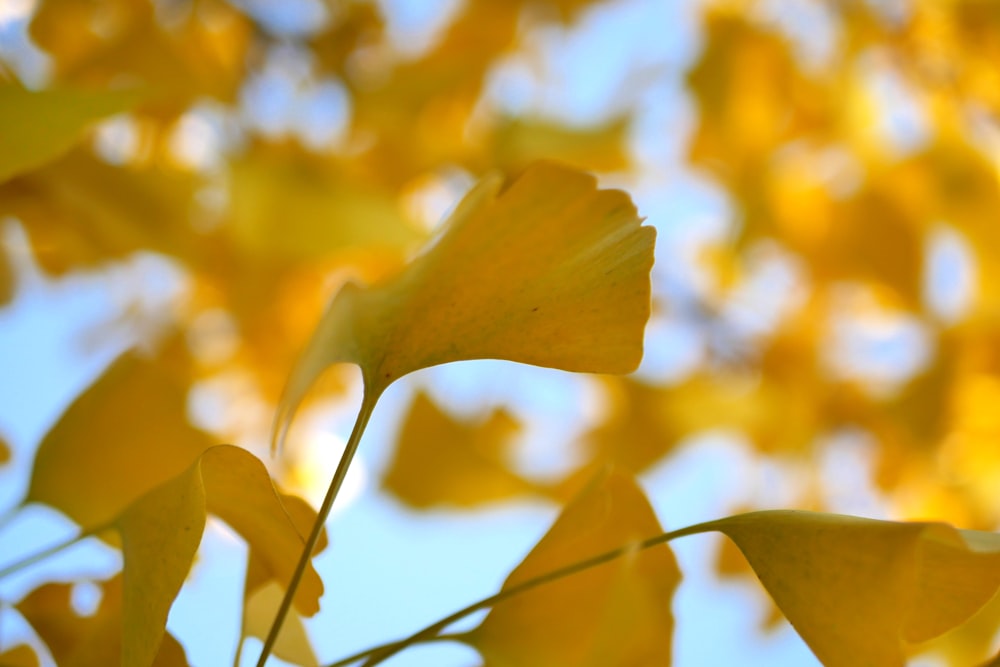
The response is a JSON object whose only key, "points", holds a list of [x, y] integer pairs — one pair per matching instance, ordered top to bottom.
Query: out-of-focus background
{"points": [[826, 295]]}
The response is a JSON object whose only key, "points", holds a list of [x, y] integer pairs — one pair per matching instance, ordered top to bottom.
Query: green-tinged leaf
{"points": [[36, 126], [601, 147], [289, 206], [549, 271], [124, 435], [440, 460], [161, 532], [855, 589], [617, 613], [87, 641]]}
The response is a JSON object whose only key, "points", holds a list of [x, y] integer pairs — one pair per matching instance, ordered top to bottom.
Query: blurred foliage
{"points": [[850, 304]]}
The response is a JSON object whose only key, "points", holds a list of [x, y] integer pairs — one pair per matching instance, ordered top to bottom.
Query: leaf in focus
{"points": [[36, 126], [548, 271], [124, 435], [440, 460], [161, 532], [856, 589], [618, 613], [87, 641], [20, 655]]}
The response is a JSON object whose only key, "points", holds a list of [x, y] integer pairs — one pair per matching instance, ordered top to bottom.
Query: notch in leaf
{"points": [[549, 271]]}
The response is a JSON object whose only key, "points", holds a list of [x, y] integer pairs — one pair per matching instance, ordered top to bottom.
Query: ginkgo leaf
{"points": [[36, 126], [548, 271], [124, 435], [4, 451], [440, 460], [161, 532], [856, 589], [617, 613], [95, 640]]}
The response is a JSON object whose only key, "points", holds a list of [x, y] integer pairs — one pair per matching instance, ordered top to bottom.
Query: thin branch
{"points": [[367, 406], [51, 551], [378, 654]]}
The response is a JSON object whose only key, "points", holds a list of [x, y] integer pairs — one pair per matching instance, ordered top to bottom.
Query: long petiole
{"points": [[364, 414], [51, 551], [432, 632]]}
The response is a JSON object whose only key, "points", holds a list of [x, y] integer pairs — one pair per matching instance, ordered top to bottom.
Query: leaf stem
{"points": [[364, 414], [51, 551], [430, 633]]}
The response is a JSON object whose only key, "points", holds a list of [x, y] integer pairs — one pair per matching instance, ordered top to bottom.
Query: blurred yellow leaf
{"points": [[188, 55], [36, 126], [517, 142], [290, 206], [80, 211], [549, 271], [8, 283], [124, 435], [4, 451], [440, 460], [161, 532], [856, 589], [262, 594], [259, 610], [617, 613], [87, 640], [20, 655]]}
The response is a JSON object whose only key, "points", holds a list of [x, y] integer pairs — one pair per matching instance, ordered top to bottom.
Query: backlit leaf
{"points": [[36, 126], [549, 271], [124, 435], [440, 460], [161, 532], [856, 589], [617, 613], [95, 640]]}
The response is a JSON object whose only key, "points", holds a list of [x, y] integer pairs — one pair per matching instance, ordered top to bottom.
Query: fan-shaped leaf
{"points": [[550, 271], [617, 613]]}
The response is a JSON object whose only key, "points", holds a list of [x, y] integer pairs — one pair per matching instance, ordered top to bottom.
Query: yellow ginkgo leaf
{"points": [[36, 126], [548, 271], [124, 435], [4, 451], [440, 460], [161, 532], [856, 589], [617, 613], [87, 640]]}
